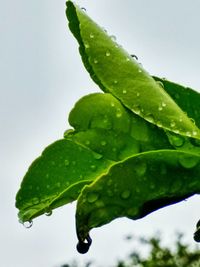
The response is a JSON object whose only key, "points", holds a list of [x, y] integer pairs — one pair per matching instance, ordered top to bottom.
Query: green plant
{"points": [[132, 150]]}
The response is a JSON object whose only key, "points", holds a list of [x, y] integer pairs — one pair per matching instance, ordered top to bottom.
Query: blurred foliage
{"points": [[179, 254]]}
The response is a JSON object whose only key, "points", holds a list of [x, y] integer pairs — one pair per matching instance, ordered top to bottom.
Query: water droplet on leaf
{"points": [[91, 35], [107, 53], [103, 143], [188, 161], [66, 162], [141, 168], [125, 194], [92, 197], [48, 213], [28, 224]]}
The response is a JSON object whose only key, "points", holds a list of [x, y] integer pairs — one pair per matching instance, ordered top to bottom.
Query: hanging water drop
{"points": [[113, 37], [134, 56], [48, 213], [28, 224]]}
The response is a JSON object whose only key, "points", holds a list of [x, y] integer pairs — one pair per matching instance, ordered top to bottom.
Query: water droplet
{"points": [[83, 8], [91, 35], [113, 37], [87, 46], [107, 53], [134, 56], [127, 59], [95, 61], [139, 70], [115, 81], [160, 84], [124, 91], [137, 94], [112, 104], [163, 104], [160, 108], [136, 109], [119, 113], [150, 118], [172, 124], [194, 133], [188, 134], [176, 140], [87, 142], [103, 143], [97, 156], [188, 161], [66, 162], [74, 162], [53, 163], [93, 167], [141, 168], [58, 184], [47, 186], [125, 194], [92, 197], [35, 201], [132, 212], [48, 213], [28, 224]]}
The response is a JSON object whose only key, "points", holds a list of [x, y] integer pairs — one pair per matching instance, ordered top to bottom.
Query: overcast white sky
{"points": [[42, 77]]}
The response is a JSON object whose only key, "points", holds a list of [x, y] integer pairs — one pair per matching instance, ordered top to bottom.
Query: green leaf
{"points": [[115, 71], [105, 126], [56, 178], [138, 186]]}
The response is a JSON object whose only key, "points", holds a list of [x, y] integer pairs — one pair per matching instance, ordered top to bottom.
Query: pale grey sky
{"points": [[42, 77]]}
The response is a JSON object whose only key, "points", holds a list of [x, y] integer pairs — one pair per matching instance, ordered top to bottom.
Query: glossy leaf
{"points": [[115, 71], [105, 126], [56, 178], [138, 186]]}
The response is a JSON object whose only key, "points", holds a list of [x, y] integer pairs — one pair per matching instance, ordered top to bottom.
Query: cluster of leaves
{"points": [[132, 150], [179, 255]]}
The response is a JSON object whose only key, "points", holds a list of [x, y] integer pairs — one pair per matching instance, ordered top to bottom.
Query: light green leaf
{"points": [[115, 71], [105, 126], [56, 178], [138, 186]]}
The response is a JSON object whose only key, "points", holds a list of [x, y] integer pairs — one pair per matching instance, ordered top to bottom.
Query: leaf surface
{"points": [[115, 71], [56, 178], [138, 186]]}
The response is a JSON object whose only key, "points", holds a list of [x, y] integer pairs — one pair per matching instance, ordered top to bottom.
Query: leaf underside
{"points": [[133, 149]]}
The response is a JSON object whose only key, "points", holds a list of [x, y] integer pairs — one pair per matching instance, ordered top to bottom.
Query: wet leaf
{"points": [[115, 71], [56, 178], [138, 186]]}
